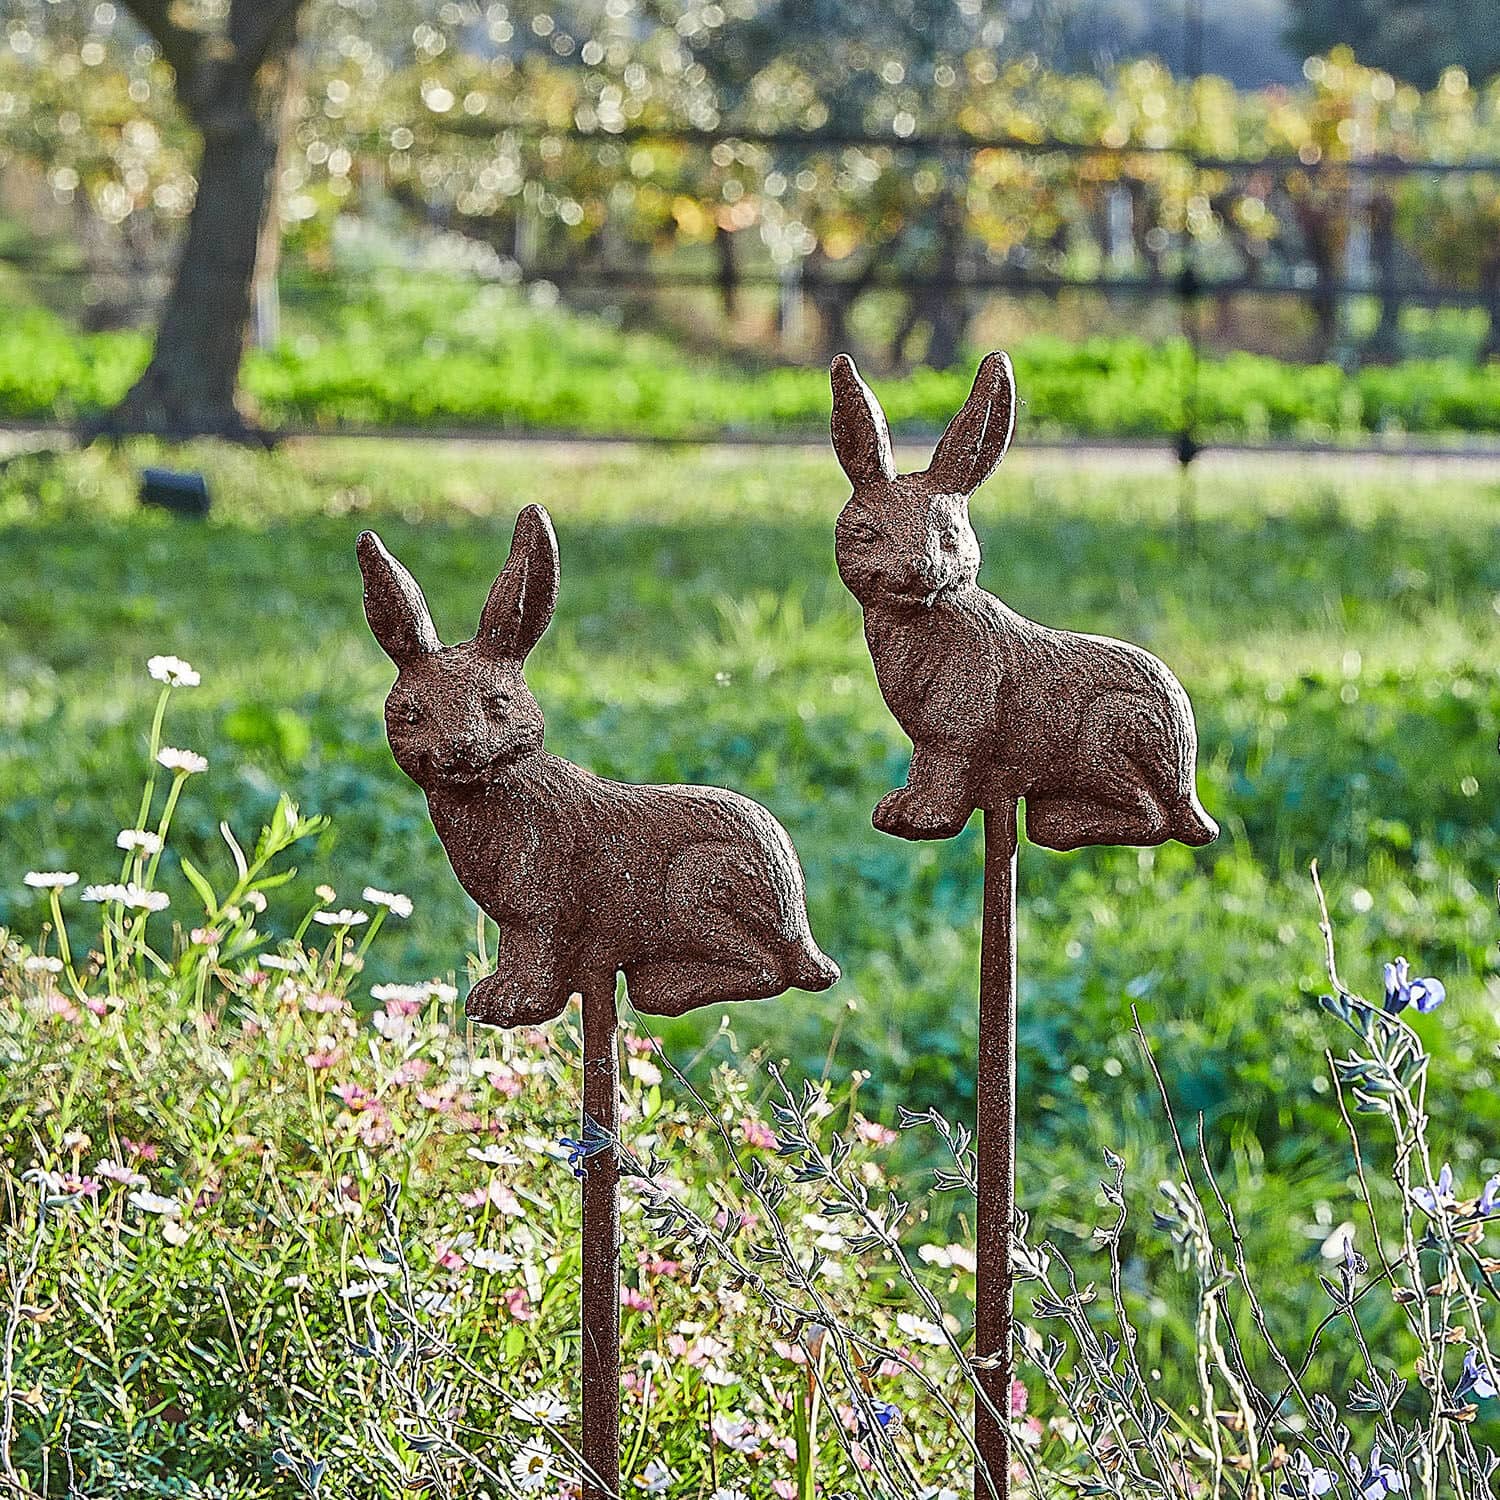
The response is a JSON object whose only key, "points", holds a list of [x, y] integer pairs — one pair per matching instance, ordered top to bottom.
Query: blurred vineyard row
{"points": [[569, 162]]}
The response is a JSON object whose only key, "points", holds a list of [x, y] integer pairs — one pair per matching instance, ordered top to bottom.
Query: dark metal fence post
{"points": [[995, 1143], [599, 1304]]}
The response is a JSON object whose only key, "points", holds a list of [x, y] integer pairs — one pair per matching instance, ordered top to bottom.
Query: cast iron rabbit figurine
{"points": [[1096, 735], [694, 892]]}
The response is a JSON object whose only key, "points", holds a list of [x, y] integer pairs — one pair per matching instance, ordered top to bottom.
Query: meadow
{"points": [[1337, 624]]}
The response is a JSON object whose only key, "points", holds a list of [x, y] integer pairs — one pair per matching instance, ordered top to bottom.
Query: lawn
{"points": [[1337, 625]]}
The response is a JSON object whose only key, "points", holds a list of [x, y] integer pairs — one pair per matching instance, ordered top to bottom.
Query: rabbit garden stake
{"points": [[1094, 735], [693, 893]]}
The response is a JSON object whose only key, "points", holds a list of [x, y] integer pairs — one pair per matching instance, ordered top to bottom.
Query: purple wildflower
{"points": [[1402, 990], [1428, 1200], [1476, 1380], [1381, 1479]]}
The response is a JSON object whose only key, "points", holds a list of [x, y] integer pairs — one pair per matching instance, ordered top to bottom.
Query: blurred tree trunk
{"points": [[232, 85]]}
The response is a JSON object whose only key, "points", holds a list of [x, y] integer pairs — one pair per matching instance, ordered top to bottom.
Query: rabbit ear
{"points": [[861, 438], [976, 439], [525, 594], [394, 605]]}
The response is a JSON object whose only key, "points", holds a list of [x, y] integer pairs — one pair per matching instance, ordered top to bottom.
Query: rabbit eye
{"points": [[863, 531], [499, 698], [411, 713]]}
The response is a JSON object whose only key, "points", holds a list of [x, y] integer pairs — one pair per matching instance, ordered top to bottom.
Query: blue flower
{"points": [[1402, 990], [577, 1151], [1489, 1199], [1430, 1202], [1476, 1379], [885, 1413], [1381, 1479], [1314, 1481]]}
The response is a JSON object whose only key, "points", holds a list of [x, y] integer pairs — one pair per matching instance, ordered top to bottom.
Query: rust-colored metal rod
{"points": [[995, 1143], [599, 1304]]}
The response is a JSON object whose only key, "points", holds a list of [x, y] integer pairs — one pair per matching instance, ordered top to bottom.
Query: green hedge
{"points": [[448, 357]]}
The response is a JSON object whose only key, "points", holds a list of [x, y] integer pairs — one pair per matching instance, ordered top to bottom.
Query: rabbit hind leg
{"points": [[674, 987]]}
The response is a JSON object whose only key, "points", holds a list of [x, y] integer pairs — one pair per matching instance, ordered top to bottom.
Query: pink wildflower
{"points": [[323, 1004], [59, 1005], [97, 1005], [322, 1057], [413, 1070], [356, 1100], [374, 1127], [873, 1132], [757, 1134], [143, 1149], [113, 1171], [447, 1257], [654, 1265], [634, 1301], [518, 1305], [1017, 1398], [784, 1489]]}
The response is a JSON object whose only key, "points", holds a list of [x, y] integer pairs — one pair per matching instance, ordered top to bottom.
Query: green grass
{"points": [[443, 354], [1338, 627]]}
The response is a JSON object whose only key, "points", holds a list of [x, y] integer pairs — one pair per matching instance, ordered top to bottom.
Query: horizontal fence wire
{"points": [[959, 143]]}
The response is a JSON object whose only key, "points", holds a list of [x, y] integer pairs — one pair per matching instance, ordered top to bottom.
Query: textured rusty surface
{"points": [[1096, 735], [693, 893], [995, 1150], [599, 1292]]}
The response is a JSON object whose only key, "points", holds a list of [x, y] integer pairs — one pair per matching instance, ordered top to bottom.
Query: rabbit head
{"points": [[905, 538], [459, 714]]}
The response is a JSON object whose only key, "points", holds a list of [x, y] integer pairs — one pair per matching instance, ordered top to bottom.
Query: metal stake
{"points": [[995, 1144], [599, 1304]]}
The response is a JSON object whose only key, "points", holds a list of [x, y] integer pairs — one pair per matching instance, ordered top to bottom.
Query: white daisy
{"points": [[173, 671], [185, 762], [138, 838], [51, 880], [138, 898], [398, 905], [343, 917], [42, 964], [407, 994], [643, 1070], [154, 1203], [492, 1261], [919, 1330], [544, 1406], [532, 1466], [727, 1492]]}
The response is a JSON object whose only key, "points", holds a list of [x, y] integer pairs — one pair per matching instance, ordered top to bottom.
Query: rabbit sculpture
{"points": [[1096, 735], [695, 893]]}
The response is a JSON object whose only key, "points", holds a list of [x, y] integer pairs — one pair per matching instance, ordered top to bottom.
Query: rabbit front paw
{"points": [[909, 814], [501, 1001]]}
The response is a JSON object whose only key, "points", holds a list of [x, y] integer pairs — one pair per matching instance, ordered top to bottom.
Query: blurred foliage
{"points": [[521, 125]]}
